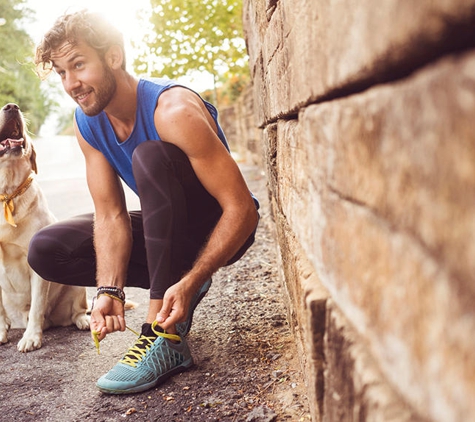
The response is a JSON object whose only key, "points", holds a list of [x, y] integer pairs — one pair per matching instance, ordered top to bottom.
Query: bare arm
{"points": [[182, 119], [112, 237]]}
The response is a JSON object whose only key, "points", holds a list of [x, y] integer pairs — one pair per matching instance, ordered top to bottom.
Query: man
{"points": [[196, 216]]}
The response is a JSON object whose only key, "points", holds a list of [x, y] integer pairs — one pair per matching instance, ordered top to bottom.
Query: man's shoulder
{"points": [[156, 83], [157, 91]]}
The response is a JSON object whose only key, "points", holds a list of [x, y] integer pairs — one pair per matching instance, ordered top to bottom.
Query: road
{"points": [[62, 175], [246, 360]]}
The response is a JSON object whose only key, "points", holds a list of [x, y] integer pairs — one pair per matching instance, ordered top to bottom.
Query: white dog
{"points": [[36, 303]]}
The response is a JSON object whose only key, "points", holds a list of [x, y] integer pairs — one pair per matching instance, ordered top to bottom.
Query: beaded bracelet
{"points": [[113, 291]]}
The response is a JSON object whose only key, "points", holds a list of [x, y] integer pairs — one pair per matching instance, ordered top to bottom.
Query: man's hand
{"points": [[176, 303], [107, 316]]}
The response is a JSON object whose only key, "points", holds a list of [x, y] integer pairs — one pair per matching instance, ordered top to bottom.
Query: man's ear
{"points": [[114, 57]]}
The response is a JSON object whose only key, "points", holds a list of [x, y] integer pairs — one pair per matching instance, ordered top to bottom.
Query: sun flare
{"points": [[123, 15]]}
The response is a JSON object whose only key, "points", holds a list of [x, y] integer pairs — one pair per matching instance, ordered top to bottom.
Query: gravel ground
{"points": [[246, 366]]}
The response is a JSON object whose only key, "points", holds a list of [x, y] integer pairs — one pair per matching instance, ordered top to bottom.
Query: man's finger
{"points": [[164, 312], [97, 322], [114, 323], [103, 334]]}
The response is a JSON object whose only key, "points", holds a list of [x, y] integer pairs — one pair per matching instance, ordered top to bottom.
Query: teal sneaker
{"points": [[183, 328], [150, 361]]}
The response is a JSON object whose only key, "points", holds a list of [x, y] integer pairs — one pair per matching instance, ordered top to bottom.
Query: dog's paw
{"points": [[82, 322], [4, 327], [3, 336], [28, 343]]}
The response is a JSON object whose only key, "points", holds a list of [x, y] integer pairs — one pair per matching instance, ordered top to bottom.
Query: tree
{"points": [[190, 35], [18, 81]]}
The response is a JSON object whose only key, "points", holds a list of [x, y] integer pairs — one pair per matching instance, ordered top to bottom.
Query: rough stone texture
{"points": [[317, 49], [366, 110], [242, 133], [401, 181], [307, 318], [355, 388]]}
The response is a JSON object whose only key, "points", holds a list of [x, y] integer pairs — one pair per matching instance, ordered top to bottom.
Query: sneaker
{"points": [[183, 328], [150, 361]]}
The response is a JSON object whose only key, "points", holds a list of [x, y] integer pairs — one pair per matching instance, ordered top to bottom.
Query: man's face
{"points": [[85, 76]]}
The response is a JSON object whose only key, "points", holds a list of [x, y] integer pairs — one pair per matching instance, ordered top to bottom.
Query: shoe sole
{"points": [[203, 291], [144, 387]]}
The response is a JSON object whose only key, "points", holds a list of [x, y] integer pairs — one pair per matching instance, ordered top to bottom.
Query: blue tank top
{"points": [[98, 131]]}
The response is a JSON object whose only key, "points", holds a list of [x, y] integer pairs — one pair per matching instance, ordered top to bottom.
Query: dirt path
{"points": [[246, 366]]}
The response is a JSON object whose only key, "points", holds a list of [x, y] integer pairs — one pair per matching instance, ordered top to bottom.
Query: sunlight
{"points": [[123, 15], [130, 18]]}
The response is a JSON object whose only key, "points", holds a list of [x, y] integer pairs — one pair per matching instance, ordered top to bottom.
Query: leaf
{"points": [[189, 35]]}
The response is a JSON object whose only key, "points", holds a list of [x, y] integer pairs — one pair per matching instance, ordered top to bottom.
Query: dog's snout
{"points": [[11, 107]]}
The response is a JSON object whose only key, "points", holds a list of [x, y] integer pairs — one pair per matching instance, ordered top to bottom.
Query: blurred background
{"points": [[200, 44]]}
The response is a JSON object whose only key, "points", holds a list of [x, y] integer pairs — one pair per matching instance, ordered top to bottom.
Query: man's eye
{"points": [[78, 65]]}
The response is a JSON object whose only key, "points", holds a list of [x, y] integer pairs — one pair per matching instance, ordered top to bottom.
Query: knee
{"points": [[153, 152], [40, 250]]}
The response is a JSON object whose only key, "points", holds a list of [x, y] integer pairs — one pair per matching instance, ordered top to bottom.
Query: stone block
{"points": [[254, 24], [272, 36], [330, 49], [261, 93], [228, 119], [269, 141], [406, 151], [301, 184], [406, 306], [307, 310], [355, 388]]}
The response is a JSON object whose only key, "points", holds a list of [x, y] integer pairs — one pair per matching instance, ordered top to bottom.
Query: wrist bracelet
{"points": [[115, 292], [104, 294], [111, 296]]}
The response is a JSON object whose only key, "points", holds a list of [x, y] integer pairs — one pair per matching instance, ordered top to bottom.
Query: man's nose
{"points": [[71, 82]]}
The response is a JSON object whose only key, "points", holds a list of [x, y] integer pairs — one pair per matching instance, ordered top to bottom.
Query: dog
{"points": [[36, 304]]}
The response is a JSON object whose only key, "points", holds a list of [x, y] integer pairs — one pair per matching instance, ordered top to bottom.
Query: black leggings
{"points": [[176, 219]]}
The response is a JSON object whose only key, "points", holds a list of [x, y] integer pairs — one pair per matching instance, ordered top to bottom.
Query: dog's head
{"points": [[14, 140]]}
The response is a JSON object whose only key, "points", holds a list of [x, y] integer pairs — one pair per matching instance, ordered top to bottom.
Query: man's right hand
{"points": [[107, 316]]}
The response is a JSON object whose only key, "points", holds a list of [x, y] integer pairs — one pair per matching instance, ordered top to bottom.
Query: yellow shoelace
{"points": [[95, 337], [138, 350]]}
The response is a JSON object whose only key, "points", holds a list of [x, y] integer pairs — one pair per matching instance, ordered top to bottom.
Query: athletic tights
{"points": [[176, 218]]}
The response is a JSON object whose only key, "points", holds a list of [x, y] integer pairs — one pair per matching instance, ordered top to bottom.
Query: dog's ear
{"points": [[33, 158]]}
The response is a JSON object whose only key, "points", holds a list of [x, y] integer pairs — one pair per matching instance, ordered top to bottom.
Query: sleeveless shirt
{"points": [[98, 132]]}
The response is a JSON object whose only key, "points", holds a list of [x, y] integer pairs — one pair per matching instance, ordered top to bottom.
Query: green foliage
{"points": [[190, 35], [18, 81], [229, 91]]}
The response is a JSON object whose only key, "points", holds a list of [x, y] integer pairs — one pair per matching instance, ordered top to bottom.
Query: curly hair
{"points": [[91, 28]]}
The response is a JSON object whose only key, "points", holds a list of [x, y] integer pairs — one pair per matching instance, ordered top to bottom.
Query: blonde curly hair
{"points": [[91, 28]]}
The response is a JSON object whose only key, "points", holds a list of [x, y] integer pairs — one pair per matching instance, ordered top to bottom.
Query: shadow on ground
{"points": [[246, 366]]}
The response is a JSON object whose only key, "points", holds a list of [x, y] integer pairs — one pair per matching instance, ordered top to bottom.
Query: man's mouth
{"points": [[82, 96]]}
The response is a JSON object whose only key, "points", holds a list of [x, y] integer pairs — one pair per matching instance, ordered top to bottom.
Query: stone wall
{"points": [[366, 112], [242, 132]]}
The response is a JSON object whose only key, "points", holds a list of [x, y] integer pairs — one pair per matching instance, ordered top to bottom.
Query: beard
{"points": [[103, 95]]}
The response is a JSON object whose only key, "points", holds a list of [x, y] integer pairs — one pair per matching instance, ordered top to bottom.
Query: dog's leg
{"points": [[79, 309], [4, 322], [33, 334]]}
